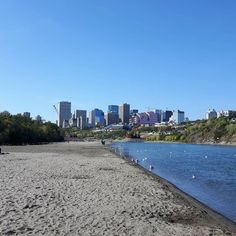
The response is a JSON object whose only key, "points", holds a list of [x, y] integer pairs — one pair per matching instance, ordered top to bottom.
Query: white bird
{"points": [[151, 167], [193, 177]]}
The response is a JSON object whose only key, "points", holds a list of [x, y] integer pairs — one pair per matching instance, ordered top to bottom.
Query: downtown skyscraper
{"points": [[64, 113], [124, 113]]}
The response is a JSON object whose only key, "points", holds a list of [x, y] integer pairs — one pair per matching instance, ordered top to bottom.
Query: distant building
{"points": [[113, 109], [124, 112], [133, 112], [5, 113], [211, 113], [227, 113], [26, 114], [64, 114], [231, 114], [159, 115], [166, 115], [178, 117], [39, 118], [81, 118], [96, 118], [111, 118], [144, 118], [186, 119], [73, 122], [65, 124], [114, 127]]}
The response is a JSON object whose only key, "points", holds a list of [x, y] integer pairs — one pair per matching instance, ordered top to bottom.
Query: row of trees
{"points": [[17, 130]]}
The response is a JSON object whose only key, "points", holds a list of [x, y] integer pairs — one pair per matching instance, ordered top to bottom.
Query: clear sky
{"points": [[149, 53]]}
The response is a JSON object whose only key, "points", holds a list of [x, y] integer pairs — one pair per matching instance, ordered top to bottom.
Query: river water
{"points": [[206, 172]]}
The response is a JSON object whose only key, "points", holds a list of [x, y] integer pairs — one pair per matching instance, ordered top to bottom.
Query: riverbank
{"points": [[177, 142], [84, 189]]}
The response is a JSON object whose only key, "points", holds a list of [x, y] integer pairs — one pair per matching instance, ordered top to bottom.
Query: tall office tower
{"points": [[113, 109], [124, 112], [64, 113], [158, 113], [165, 115], [81, 116], [178, 116], [96, 118], [112, 118]]}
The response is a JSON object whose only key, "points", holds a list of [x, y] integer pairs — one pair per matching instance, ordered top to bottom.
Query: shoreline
{"points": [[125, 140], [169, 142], [82, 188], [217, 215]]}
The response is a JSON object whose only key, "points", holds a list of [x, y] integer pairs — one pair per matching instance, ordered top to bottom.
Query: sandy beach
{"points": [[82, 188]]}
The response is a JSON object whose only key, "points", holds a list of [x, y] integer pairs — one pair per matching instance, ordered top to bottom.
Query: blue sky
{"points": [[156, 53]]}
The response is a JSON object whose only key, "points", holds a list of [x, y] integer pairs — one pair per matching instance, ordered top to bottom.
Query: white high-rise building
{"points": [[64, 113], [211, 114], [177, 117]]}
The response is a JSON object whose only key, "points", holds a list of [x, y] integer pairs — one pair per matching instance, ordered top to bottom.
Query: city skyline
{"points": [[175, 55], [74, 110], [115, 114], [122, 115], [162, 115]]}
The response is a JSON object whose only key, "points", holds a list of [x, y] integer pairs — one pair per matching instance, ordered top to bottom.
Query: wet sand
{"points": [[84, 189]]}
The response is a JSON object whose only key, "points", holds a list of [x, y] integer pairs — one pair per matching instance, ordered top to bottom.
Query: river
{"points": [[206, 172]]}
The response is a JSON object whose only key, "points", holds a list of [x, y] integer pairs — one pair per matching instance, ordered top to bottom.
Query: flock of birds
{"points": [[151, 167]]}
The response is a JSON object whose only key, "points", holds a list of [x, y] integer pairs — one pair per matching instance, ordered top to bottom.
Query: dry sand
{"points": [[84, 189]]}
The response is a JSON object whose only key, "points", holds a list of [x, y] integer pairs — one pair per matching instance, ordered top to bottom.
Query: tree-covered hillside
{"points": [[216, 130]]}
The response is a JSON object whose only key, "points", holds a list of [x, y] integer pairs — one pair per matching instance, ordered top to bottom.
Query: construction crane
{"points": [[55, 108]]}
